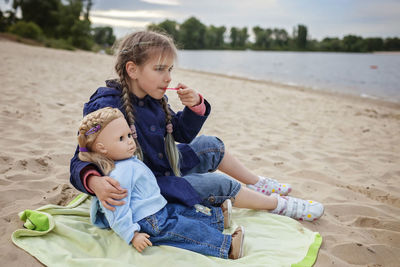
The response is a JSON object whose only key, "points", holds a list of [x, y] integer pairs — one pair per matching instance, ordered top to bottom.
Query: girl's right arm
{"points": [[88, 179]]}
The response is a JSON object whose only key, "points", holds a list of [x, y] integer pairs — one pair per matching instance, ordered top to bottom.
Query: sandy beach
{"points": [[340, 150]]}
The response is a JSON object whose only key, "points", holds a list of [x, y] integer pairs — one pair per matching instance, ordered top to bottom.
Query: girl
{"points": [[105, 140], [184, 172]]}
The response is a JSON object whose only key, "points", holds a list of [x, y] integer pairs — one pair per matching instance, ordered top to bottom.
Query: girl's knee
{"points": [[210, 151]]}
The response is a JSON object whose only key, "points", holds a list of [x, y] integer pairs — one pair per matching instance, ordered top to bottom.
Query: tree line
{"points": [[56, 23], [66, 24], [193, 34]]}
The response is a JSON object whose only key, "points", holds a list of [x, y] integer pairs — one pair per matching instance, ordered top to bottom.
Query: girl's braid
{"points": [[129, 109], [171, 148]]}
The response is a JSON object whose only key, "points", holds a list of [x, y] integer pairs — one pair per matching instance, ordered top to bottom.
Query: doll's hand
{"points": [[188, 96], [107, 190], [140, 241]]}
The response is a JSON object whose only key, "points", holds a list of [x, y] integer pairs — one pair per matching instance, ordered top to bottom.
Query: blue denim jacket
{"points": [[150, 126]]}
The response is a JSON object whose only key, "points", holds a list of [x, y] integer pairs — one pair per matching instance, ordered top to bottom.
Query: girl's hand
{"points": [[188, 96], [107, 190], [140, 241]]}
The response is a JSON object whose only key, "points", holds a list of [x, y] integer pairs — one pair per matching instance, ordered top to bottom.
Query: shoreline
{"points": [[302, 88]]}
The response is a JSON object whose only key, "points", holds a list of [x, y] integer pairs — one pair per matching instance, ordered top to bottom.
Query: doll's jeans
{"points": [[214, 188], [183, 227]]}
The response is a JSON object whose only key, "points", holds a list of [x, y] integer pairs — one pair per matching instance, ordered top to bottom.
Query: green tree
{"points": [[87, 6], [43, 13], [68, 17], [7, 19], [167, 26], [26, 29], [191, 34], [80, 35], [103, 36], [234, 36], [243, 36], [214, 37], [300, 37], [238, 38], [280, 38], [264, 39], [353, 43], [331, 44], [374, 44], [392, 44]]}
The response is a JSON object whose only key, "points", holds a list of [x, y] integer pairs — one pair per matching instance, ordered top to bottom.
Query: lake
{"points": [[367, 75]]}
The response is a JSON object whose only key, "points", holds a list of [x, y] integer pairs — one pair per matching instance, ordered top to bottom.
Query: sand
{"points": [[340, 150]]}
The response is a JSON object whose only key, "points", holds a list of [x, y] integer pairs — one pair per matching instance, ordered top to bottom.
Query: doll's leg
{"points": [[168, 227]]}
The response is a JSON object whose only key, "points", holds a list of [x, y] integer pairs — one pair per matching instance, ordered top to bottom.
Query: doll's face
{"points": [[115, 141]]}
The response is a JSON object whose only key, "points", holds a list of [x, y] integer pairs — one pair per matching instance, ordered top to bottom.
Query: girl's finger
{"points": [[181, 85], [115, 184], [118, 195], [115, 202], [105, 205], [148, 242]]}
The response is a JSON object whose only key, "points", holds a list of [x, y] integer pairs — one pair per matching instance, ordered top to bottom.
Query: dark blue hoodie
{"points": [[150, 126]]}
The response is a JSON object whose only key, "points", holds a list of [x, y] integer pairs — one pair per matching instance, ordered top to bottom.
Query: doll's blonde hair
{"points": [[139, 47], [90, 127]]}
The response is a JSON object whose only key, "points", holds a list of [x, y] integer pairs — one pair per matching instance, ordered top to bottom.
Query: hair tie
{"points": [[142, 43], [169, 128], [133, 129], [93, 130], [83, 149]]}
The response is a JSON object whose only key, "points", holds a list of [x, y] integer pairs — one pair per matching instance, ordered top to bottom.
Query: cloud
{"points": [[163, 2], [129, 14], [127, 18], [123, 23]]}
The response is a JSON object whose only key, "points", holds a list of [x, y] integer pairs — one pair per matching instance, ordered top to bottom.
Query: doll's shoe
{"points": [[268, 186], [297, 208], [227, 211], [237, 250]]}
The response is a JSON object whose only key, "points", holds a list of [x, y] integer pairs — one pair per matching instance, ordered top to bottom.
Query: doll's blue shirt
{"points": [[143, 199]]}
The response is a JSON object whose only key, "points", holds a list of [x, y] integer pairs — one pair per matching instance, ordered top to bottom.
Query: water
{"points": [[367, 75]]}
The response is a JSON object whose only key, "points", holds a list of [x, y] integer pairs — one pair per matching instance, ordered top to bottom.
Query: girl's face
{"points": [[153, 77]]}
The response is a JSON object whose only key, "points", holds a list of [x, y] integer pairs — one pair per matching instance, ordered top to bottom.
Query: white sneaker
{"points": [[268, 186], [297, 208]]}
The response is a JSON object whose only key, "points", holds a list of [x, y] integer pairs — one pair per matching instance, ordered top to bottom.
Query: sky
{"points": [[323, 18]]}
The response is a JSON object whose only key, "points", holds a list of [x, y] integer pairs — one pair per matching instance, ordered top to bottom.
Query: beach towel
{"points": [[63, 236]]}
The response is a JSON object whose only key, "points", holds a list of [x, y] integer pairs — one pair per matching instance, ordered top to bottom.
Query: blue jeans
{"points": [[213, 188], [179, 226]]}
